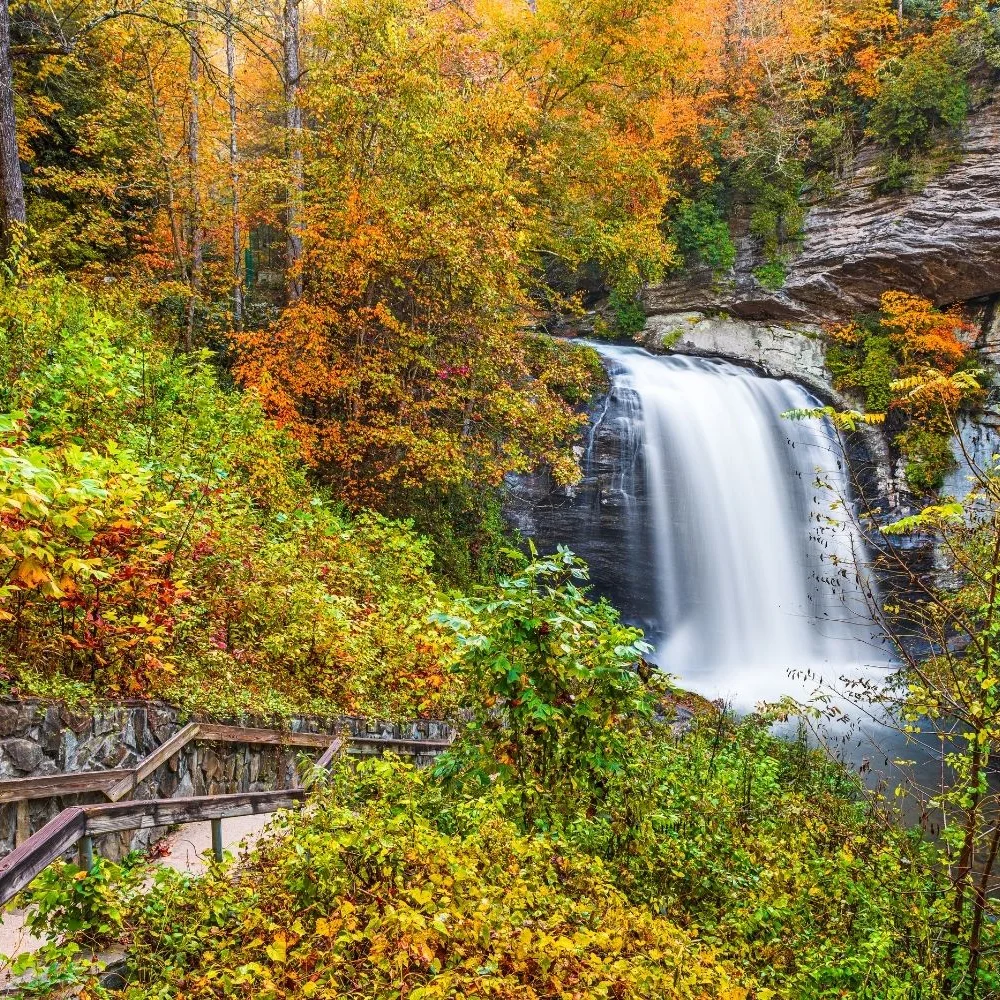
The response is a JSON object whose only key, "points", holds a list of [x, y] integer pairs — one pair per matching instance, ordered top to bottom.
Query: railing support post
{"points": [[217, 839], [85, 853]]}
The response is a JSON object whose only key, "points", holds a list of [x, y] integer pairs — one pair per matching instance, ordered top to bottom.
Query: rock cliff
{"points": [[942, 241]]}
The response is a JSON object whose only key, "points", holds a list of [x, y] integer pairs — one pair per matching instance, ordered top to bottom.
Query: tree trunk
{"points": [[293, 128], [234, 176], [11, 182], [195, 232], [176, 235], [980, 902]]}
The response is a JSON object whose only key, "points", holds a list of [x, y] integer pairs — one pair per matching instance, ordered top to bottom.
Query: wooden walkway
{"points": [[78, 825]]}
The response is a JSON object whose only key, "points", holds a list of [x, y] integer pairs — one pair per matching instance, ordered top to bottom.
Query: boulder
{"points": [[23, 755]]}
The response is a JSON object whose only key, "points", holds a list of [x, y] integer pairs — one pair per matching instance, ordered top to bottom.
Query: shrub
{"points": [[924, 92], [702, 235], [771, 275], [629, 316], [904, 361], [158, 538], [550, 682], [786, 884], [375, 901]]}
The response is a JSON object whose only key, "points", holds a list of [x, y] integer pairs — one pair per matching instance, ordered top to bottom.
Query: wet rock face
{"points": [[942, 242], [597, 516]]}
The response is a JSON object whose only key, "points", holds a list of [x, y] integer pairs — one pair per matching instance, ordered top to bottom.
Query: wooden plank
{"points": [[267, 737], [421, 745], [329, 753], [150, 763], [52, 785], [144, 814], [22, 830], [39, 851]]}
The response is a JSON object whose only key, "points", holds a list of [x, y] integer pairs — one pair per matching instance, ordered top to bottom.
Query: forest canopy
{"points": [[367, 210], [278, 290]]}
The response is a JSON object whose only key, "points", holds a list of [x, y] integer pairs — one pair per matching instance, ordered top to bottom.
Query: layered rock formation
{"points": [[942, 242]]}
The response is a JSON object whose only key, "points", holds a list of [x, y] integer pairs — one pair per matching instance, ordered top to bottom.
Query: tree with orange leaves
{"points": [[450, 162], [911, 362]]}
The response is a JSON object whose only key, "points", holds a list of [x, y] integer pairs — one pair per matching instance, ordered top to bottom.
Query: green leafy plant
{"points": [[922, 93], [702, 234], [771, 275], [629, 316], [551, 682], [85, 907]]}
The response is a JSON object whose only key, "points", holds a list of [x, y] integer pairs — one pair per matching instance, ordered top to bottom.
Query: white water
{"points": [[751, 556]]}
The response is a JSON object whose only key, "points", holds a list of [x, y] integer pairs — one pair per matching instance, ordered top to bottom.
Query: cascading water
{"points": [[718, 526]]}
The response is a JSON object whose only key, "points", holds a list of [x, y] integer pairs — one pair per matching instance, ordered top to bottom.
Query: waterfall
{"points": [[718, 526]]}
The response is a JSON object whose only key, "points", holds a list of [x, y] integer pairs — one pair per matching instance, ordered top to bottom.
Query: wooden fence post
{"points": [[217, 839], [85, 853]]}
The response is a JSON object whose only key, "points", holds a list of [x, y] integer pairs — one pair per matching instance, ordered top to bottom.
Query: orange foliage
{"points": [[927, 337]]}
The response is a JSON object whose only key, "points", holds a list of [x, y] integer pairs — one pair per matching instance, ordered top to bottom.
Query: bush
{"points": [[925, 92], [702, 235], [771, 275], [629, 316], [905, 361], [929, 458], [158, 538], [550, 684], [786, 884], [376, 901]]}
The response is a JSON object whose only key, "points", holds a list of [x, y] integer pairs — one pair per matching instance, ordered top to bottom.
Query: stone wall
{"points": [[38, 739]]}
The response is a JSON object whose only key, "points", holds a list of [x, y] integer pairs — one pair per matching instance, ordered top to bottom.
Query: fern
{"points": [[844, 420], [931, 518]]}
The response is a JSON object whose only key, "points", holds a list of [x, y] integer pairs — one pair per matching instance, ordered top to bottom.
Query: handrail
{"points": [[159, 756], [117, 783], [81, 823], [55, 838], [40, 850]]}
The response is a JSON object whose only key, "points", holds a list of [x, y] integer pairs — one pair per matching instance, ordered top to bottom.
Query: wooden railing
{"points": [[118, 783], [78, 825]]}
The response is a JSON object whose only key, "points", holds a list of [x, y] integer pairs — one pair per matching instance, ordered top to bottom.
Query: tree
{"points": [[292, 82], [234, 159], [11, 182], [946, 695]]}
